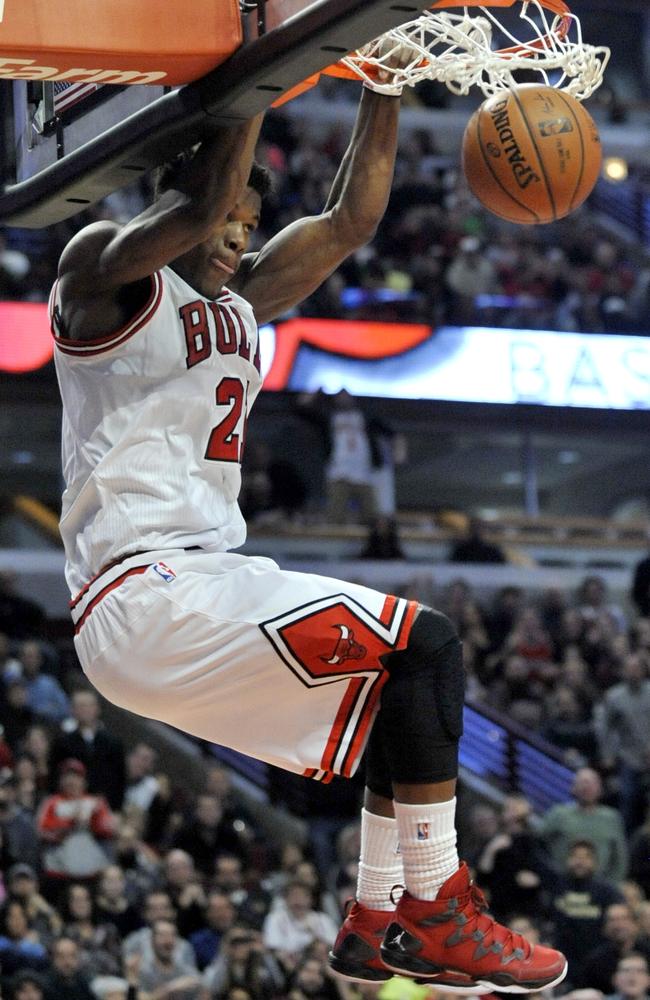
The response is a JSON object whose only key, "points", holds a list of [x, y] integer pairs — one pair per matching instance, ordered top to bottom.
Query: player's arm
{"points": [[105, 256], [296, 261]]}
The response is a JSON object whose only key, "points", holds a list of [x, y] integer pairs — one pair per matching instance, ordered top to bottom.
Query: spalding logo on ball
{"points": [[532, 154]]}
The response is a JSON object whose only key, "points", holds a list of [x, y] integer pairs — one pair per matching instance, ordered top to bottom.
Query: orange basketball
{"points": [[531, 154]]}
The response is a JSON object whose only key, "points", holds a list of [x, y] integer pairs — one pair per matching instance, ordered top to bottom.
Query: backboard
{"points": [[69, 138]]}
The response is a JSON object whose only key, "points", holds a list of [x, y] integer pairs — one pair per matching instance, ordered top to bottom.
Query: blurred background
{"points": [[499, 472]]}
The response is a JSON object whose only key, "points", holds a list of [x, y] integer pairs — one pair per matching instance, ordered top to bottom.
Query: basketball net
{"points": [[464, 49]]}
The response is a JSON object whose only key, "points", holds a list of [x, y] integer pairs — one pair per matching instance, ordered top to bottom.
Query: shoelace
{"points": [[476, 903]]}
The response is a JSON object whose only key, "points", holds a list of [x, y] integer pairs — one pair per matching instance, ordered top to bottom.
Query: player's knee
{"points": [[431, 631], [443, 651], [431, 667]]}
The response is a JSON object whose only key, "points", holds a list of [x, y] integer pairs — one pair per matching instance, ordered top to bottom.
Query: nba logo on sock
{"points": [[165, 571], [423, 831]]}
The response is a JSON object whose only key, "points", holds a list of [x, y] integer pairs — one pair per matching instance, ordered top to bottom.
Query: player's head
{"points": [[260, 180], [210, 264]]}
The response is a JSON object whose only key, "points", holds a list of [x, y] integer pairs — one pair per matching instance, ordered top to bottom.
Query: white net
{"points": [[473, 48]]}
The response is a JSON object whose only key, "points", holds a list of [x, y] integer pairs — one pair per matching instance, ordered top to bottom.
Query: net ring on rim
{"points": [[466, 63]]}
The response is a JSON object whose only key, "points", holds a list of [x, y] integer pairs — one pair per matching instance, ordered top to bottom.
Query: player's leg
{"points": [[440, 923], [356, 952]]}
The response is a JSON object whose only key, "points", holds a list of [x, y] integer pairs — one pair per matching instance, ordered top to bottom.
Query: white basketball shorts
{"points": [[282, 666]]}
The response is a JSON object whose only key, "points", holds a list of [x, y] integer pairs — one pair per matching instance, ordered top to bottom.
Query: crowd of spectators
{"points": [[438, 256], [117, 882]]}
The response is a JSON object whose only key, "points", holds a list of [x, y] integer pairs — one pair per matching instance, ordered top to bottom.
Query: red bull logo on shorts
{"points": [[346, 648]]}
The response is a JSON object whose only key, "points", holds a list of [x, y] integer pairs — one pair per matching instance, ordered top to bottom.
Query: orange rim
{"points": [[558, 7]]}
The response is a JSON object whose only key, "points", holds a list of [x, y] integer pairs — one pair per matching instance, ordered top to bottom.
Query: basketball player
{"points": [[158, 360]]}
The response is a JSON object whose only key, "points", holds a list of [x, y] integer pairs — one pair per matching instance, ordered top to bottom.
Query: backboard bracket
{"points": [[247, 83]]}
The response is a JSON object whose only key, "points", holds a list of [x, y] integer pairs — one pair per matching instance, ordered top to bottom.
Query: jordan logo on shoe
{"points": [[398, 942]]}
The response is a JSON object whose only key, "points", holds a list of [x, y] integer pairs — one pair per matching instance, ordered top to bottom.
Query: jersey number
{"points": [[226, 443]]}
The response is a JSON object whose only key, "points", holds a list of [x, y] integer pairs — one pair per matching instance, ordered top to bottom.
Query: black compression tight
{"points": [[415, 736]]}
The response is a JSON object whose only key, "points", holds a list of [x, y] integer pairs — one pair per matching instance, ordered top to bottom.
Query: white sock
{"points": [[427, 838], [380, 863]]}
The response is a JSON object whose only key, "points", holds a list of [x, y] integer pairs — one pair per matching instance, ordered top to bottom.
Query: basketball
{"points": [[531, 154]]}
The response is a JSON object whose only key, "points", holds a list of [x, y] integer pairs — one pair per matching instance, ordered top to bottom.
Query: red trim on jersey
{"points": [[90, 348], [114, 562], [137, 570], [84, 590], [388, 610], [407, 623], [341, 722], [360, 733], [358, 738], [324, 777]]}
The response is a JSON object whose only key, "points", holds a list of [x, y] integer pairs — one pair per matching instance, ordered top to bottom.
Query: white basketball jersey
{"points": [[154, 421], [351, 459]]}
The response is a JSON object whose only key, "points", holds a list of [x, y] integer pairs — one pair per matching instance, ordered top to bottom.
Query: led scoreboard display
{"points": [[411, 361]]}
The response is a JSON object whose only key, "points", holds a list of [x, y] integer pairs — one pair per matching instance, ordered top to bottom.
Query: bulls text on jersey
{"points": [[217, 325]]}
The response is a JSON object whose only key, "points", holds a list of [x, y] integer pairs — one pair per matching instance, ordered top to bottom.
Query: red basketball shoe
{"points": [[427, 938], [356, 954]]}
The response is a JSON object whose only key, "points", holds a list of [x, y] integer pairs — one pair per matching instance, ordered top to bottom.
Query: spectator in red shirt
{"points": [[73, 825]]}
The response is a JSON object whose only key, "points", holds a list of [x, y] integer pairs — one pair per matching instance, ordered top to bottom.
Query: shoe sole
{"points": [[353, 974], [438, 981], [501, 983], [527, 987], [478, 989]]}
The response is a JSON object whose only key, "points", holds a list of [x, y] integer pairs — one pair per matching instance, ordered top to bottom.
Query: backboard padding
{"points": [[115, 41]]}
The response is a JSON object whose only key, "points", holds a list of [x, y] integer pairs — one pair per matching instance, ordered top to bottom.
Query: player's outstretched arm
{"points": [[105, 256], [296, 261]]}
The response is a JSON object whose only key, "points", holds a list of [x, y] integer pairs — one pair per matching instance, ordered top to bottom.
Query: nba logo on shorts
{"points": [[165, 571], [423, 831]]}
